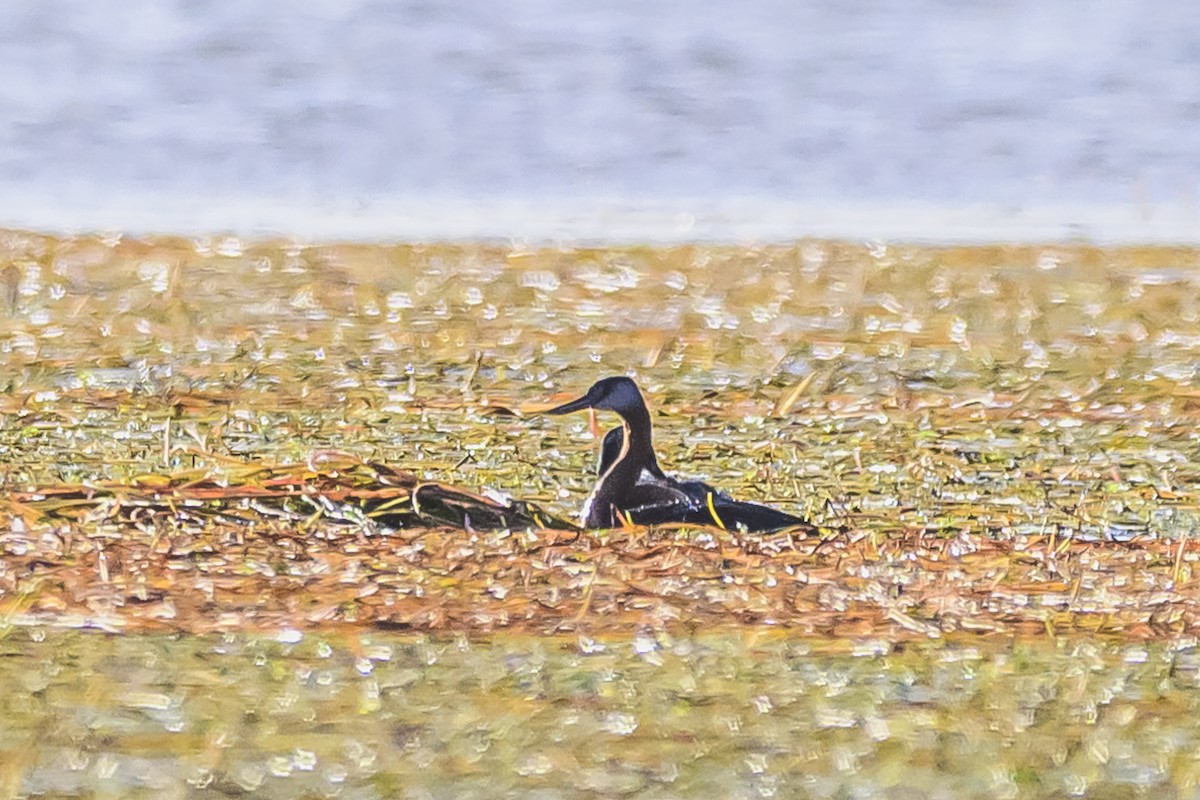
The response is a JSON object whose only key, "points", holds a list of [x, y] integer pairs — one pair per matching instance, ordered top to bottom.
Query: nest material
{"points": [[352, 492]]}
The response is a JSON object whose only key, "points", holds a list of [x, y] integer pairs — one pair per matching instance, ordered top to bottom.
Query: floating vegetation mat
{"points": [[992, 440], [358, 544]]}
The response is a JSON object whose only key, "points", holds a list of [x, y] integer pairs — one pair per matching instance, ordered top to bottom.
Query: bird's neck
{"points": [[639, 445], [615, 484]]}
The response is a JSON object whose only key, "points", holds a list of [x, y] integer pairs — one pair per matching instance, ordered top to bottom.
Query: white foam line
{"points": [[658, 221]]}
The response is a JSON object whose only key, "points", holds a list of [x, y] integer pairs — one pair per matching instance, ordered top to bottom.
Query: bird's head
{"points": [[617, 394]]}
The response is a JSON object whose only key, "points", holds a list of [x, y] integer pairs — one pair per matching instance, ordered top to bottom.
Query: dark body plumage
{"points": [[631, 486]]}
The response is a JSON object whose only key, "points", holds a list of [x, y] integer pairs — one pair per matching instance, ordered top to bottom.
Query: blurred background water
{"points": [[662, 120]]}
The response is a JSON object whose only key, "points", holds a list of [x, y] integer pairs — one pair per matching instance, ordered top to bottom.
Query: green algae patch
{"points": [[728, 714]]}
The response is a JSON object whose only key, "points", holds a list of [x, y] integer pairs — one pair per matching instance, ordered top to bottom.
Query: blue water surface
{"points": [[766, 118]]}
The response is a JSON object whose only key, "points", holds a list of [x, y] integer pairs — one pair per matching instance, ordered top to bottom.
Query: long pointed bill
{"points": [[567, 408]]}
